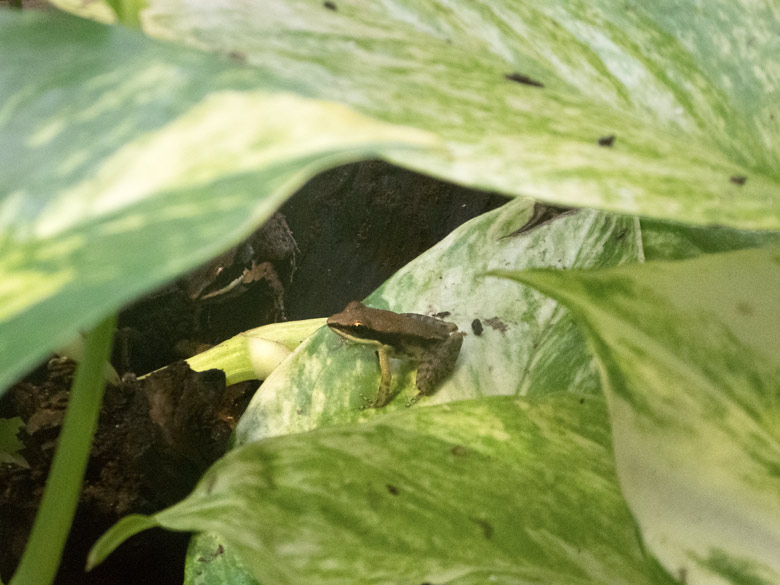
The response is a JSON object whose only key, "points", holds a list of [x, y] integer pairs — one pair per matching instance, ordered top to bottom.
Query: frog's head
{"points": [[226, 276], [354, 322]]}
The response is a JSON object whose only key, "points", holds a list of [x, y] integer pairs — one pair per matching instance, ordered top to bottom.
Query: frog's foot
{"points": [[383, 397], [413, 400]]}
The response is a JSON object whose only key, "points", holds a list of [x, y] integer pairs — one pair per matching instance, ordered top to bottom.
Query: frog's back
{"points": [[426, 327]]}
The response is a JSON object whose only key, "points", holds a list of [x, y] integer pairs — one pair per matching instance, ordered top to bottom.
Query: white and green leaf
{"points": [[690, 93], [128, 161], [131, 161], [666, 240], [529, 344], [528, 347], [254, 354], [690, 358], [494, 490]]}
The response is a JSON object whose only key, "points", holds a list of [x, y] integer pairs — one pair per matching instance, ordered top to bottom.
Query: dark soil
{"points": [[354, 227]]}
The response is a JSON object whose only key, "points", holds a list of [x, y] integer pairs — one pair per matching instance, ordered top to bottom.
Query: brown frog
{"points": [[255, 259], [433, 343]]}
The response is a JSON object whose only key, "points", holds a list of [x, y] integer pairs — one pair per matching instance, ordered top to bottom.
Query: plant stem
{"points": [[43, 552]]}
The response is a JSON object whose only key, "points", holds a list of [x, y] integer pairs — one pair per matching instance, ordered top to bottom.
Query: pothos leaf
{"points": [[664, 109], [130, 161], [517, 343], [690, 358], [493, 490]]}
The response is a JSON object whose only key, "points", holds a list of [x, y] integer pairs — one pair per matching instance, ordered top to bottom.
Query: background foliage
{"points": [[135, 159]]}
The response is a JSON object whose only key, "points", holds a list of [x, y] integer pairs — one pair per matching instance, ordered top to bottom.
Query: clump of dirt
{"points": [[155, 438]]}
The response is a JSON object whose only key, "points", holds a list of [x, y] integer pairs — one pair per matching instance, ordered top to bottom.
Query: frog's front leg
{"points": [[436, 364], [383, 395]]}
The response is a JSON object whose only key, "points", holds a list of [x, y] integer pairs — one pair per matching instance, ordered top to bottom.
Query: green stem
{"points": [[43, 552]]}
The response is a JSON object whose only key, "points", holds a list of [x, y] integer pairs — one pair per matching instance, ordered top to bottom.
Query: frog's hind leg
{"points": [[437, 364], [383, 396]]}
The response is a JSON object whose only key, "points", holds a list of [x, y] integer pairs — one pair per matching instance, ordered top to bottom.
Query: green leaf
{"points": [[99, 10], [128, 11], [689, 91], [130, 161], [663, 240], [529, 344], [691, 358], [497, 489], [121, 531], [210, 563]]}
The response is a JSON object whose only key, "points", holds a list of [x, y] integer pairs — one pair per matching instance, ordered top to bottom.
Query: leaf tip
{"points": [[116, 535]]}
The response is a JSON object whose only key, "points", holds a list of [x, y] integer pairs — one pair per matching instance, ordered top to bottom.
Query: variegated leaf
{"points": [[689, 92], [128, 161], [528, 345], [690, 356], [494, 490]]}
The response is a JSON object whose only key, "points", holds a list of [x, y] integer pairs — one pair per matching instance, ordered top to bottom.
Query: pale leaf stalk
{"points": [[254, 354]]}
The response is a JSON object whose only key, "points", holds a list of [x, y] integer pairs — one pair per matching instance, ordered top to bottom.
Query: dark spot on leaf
{"points": [[330, 5], [237, 56], [524, 79], [607, 140], [738, 179], [541, 214], [621, 234], [744, 308], [442, 315], [496, 324], [476, 327], [582, 401], [299, 410], [459, 450], [392, 489], [487, 527], [220, 550], [682, 575]]}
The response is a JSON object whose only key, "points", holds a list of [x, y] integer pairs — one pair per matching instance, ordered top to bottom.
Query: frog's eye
{"points": [[359, 327]]}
